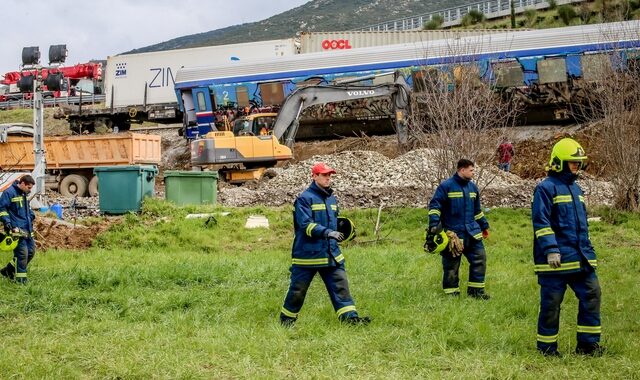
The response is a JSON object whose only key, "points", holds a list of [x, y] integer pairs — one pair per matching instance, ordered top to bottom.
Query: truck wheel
{"points": [[73, 185], [93, 186]]}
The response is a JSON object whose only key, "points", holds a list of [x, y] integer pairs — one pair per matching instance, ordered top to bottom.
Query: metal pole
{"points": [[38, 142]]}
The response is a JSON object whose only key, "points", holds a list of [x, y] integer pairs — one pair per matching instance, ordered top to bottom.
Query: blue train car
{"points": [[535, 61]]}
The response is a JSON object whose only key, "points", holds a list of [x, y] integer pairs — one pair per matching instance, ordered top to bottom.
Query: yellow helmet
{"points": [[566, 150], [347, 227], [436, 241], [8, 242]]}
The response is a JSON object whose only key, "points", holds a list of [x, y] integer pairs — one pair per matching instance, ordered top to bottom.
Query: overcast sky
{"points": [[97, 29]]}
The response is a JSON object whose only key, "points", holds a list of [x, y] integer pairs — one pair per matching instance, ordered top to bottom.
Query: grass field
{"points": [[164, 297]]}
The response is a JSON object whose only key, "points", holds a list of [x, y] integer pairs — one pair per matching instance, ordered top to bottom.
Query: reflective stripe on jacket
{"points": [[456, 204], [15, 209], [315, 215], [560, 225]]}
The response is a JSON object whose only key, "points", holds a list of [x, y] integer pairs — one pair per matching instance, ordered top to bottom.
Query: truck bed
{"points": [[76, 152]]}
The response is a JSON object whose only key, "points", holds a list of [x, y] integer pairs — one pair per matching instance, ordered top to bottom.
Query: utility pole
{"points": [[32, 79]]}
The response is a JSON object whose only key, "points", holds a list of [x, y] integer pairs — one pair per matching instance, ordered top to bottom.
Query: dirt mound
{"points": [[53, 234]]}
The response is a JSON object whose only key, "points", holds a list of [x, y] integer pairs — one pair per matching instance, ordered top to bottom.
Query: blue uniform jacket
{"points": [[456, 204], [14, 208], [315, 215], [560, 225]]}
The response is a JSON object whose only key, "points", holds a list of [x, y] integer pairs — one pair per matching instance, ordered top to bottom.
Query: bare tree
{"points": [[611, 99], [455, 114]]}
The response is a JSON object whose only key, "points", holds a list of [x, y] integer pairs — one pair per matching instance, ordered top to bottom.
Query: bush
{"points": [[552, 4], [566, 13], [531, 15], [472, 18], [435, 23]]}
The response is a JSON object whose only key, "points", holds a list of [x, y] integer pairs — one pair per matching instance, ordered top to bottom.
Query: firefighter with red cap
{"points": [[315, 250]]}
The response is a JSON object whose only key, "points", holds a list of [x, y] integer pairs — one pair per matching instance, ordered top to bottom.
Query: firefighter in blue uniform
{"points": [[455, 206], [17, 220], [315, 250], [562, 252]]}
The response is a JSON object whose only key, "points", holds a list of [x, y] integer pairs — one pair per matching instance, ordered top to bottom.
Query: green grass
{"points": [[164, 297]]}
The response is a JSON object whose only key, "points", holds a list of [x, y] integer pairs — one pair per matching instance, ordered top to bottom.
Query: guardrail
{"points": [[453, 16], [53, 102]]}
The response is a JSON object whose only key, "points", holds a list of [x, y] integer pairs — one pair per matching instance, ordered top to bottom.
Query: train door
{"points": [[203, 110], [189, 115]]}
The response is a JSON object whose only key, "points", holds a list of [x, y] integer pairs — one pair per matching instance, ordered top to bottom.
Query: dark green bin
{"points": [[191, 187], [122, 188]]}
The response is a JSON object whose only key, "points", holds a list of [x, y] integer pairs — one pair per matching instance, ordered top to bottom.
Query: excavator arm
{"points": [[287, 123]]}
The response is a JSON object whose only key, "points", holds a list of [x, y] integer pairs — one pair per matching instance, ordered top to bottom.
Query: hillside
{"points": [[316, 15]]}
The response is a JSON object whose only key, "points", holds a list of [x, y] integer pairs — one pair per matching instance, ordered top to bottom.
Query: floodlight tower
{"points": [[31, 80]]}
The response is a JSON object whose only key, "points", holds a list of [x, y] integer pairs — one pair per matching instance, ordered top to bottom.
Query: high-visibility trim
{"points": [[455, 194], [473, 195], [581, 198], [16, 199], [562, 199], [318, 207], [334, 207], [434, 212], [4, 213], [479, 216], [310, 228], [544, 232], [478, 236], [340, 258], [323, 261], [593, 263], [564, 266], [21, 275], [479, 285], [451, 290], [345, 309], [288, 313], [589, 329], [547, 338]]}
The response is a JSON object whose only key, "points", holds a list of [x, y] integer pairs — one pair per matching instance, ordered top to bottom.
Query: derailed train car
{"points": [[544, 68]]}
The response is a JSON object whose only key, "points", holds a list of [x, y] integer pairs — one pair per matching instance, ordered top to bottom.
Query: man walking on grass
{"points": [[455, 207], [315, 250], [562, 252]]}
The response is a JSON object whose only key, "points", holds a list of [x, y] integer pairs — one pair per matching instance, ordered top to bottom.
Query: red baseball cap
{"points": [[322, 168]]}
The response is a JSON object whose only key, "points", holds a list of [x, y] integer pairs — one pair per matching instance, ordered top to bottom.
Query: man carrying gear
{"points": [[455, 212], [17, 220], [315, 250], [562, 252]]}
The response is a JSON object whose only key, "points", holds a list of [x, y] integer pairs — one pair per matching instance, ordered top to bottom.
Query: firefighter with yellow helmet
{"points": [[562, 252]]}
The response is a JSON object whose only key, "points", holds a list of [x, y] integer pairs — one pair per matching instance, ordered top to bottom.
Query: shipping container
{"points": [[315, 42], [148, 78]]}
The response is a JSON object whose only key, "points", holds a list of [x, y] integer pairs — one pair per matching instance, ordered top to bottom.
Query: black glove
{"points": [[8, 227], [335, 235]]}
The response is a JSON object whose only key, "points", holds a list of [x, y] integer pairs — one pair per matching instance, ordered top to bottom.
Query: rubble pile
{"points": [[367, 179]]}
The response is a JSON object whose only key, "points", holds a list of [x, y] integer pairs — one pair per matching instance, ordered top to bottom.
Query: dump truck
{"points": [[71, 159]]}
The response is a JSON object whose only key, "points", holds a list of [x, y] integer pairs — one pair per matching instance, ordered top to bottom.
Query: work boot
{"points": [[9, 271], [22, 280], [478, 294], [357, 321], [287, 322], [590, 349], [550, 352]]}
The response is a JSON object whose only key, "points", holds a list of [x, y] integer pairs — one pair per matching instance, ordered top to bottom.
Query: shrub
{"points": [[566, 13], [435, 23]]}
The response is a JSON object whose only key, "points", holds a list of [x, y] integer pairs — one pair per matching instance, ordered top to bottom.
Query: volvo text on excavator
{"points": [[245, 156]]}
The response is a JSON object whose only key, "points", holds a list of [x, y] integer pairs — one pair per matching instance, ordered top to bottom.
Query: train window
{"points": [[595, 66], [552, 70], [466, 74], [508, 74], [309, 82], [272, 93], [242, 96], [202, 104]]}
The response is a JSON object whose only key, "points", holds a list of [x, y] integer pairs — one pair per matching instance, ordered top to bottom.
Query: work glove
{"points": [[7, 228], [485, 234], [335, 235], [456, 246], [554, 260]]}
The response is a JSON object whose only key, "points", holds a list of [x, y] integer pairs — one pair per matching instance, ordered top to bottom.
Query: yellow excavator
{"points": [[255, 145]]}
